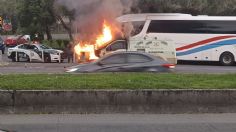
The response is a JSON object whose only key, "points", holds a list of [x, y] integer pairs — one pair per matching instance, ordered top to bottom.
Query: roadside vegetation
{"points": [[41, 16], [133, 81]]}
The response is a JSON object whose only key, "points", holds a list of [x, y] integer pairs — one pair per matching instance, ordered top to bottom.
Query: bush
{"points": [[56, 44]]}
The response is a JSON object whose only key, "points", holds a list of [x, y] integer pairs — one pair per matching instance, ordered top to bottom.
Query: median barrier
{"points": [[129, 101]]}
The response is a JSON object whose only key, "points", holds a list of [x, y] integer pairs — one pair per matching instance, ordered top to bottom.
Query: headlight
{"points": [[55, 53], [72, 70]]}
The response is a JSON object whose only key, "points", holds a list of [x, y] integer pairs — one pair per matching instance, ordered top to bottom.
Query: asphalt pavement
{"points": [[30, 68], [120, 123]]}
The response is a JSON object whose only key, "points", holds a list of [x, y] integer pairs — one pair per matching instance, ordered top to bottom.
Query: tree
{"points": [[195, 7], [59, 12], [35, 18]]}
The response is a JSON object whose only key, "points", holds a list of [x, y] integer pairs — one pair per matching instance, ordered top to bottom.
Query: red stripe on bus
{"points": [[203, 42]]}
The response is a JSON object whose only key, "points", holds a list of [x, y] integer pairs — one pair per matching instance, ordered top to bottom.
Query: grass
{"points": [[117, 81]]}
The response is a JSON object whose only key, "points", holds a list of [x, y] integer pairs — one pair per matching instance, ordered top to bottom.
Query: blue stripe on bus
{"points": [[207, 47]]}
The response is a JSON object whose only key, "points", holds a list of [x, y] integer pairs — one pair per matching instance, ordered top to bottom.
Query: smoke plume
{"points": [[90, 14]]}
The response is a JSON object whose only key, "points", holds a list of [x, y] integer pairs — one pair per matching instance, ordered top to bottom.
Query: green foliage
{"points": [[195, 7], [34, 16], [37, 16], [56, 44], [133, 81]]}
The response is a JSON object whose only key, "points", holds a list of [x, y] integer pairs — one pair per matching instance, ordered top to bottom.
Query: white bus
{"points": [[196, 38]]}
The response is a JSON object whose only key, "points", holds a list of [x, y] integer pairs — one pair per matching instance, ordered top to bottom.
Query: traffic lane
{"points": [[183, 67], [19, 68], [29, 68], [201, 69], [120, 123]]}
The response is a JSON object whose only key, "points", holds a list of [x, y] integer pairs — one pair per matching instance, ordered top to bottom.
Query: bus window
{"points": [[177, 26], [221, 27], [137, 28]]}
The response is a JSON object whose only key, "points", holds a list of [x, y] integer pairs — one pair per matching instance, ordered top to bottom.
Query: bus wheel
{"points": [[227, 59]]}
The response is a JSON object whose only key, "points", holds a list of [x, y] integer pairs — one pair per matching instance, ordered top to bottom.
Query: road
{"points": [[20, 67], [60, 68], [205, 69], [120, 123]]}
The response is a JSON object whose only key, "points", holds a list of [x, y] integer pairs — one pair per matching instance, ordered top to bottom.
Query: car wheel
{"points": [[47, 59], [227, 59]]}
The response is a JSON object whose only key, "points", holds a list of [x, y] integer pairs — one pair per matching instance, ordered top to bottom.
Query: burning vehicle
{"points": [[131, 34], [89, 51]]}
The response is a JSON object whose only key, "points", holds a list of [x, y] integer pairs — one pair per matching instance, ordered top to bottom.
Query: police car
{"points": [[34, 52]]}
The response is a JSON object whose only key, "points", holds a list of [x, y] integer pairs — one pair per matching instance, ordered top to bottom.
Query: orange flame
{"points": [[105, 37], [101, 40], [86, 49]]}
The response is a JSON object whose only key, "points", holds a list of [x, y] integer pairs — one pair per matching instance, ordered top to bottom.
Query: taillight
{"points": [[170, 66]]}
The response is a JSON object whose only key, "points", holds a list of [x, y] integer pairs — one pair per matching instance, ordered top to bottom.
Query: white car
{"points": [[34, 52]]}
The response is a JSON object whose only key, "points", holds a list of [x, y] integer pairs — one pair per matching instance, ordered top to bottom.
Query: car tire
{"points": [[47, 59], [227, 59], [60, 61]]}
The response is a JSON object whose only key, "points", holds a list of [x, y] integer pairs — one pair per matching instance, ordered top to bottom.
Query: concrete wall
{"points": [[146, 101]]}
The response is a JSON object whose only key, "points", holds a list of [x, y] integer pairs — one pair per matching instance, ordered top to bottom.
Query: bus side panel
{"points": [[152, 43], [202, 47]]}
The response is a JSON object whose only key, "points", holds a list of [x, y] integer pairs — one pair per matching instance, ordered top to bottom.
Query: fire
{"points": [[105, 37], [101, 40], [86, 49]]}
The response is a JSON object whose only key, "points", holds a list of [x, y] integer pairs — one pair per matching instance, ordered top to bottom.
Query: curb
{"points": [[120, 101]]}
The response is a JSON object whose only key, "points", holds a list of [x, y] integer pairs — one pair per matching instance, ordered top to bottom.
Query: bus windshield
{"points": [[133, 28]]}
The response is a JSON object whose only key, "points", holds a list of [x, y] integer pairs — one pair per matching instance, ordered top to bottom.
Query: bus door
{"points": [[138, 40], [161, 46]]}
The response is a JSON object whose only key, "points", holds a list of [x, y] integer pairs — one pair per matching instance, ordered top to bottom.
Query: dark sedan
{"points": [[125, 62]]}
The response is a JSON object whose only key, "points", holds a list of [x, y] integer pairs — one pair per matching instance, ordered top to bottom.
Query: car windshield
{"points": [[45, 47]]}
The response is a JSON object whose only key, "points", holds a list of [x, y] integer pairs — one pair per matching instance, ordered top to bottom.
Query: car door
{"points": [[35, 53], [137, 62], [113, 63]]}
